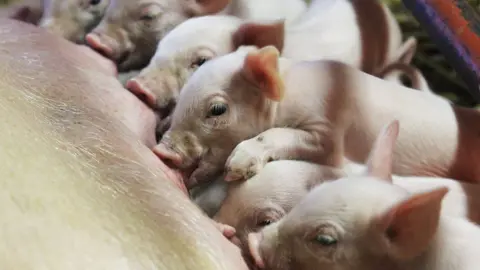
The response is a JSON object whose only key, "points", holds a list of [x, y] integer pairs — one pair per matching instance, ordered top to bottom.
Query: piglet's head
{"points": [[72, 19], [130, 30], [180, 53], [228, 99], [265, 198], [352, 223]]}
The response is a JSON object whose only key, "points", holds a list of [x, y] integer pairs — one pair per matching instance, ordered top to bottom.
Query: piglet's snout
{"points": [[95, 41], [139, 89], [181, 149], [166, 154], [254, 240]]}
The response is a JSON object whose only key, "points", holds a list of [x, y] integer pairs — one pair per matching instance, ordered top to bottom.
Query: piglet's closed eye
{"points": [[261, 68]]}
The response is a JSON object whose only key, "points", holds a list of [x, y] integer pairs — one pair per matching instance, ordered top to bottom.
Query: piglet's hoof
{"points": [[246, 160]]}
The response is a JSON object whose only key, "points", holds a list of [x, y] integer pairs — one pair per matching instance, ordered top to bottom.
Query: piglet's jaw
{"points": [[254, 240]]}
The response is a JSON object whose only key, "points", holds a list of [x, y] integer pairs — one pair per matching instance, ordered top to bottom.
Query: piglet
{"points": [[28, 11], [72, 19], [130, 31], [362, 33], [244, 109], [268, 196], [368, 223]]}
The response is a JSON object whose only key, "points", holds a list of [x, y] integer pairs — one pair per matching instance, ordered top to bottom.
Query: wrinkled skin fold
{"points": [[80, 187]]}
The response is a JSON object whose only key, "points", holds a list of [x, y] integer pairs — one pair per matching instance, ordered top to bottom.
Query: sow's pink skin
{"points": [[130, 30], [78, 109], [242, 110]]}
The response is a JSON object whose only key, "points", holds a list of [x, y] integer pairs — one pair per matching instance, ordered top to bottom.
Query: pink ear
{"points": [[204, 7], [260, 35], [407, 51], [261, 68], [380, 160], [410, 226]]}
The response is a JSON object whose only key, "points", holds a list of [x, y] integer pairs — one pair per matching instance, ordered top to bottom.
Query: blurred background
{"points": [[440, 75]]}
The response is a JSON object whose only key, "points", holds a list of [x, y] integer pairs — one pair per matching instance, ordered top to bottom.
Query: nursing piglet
{"points": [[29, 11], [72, 19], [130, 30], [363, 34], [244, 109], [274, 191], [368, 223]]}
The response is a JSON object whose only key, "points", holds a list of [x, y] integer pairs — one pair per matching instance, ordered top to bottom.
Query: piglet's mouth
{"points": [[173, 162]]}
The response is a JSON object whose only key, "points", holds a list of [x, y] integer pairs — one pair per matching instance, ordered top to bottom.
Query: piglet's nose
{"points": [[93, 40], [142, 92], [167, 155], [254, 240]]}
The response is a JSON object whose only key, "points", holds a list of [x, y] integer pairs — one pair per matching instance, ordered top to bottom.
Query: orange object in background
{"points": [[458, 16], [454, 26]]}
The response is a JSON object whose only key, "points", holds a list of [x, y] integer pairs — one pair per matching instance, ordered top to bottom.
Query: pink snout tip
{"points": [[93, 40], [143, 93], [166, 154], [230, 177], [227, 230], [254, 240]]}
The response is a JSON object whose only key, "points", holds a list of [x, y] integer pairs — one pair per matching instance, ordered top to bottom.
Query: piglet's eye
{"points": [[95, 2], [147, 17], [198, 62], [217, 109], [264, 222], [325, 240]]}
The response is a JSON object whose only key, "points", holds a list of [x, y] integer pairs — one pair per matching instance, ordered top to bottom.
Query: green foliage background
{"points": [[439, 73]]}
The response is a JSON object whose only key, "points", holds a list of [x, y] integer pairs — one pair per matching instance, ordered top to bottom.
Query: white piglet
{"points": [[242, 110], [275, 190], [368, 223]]}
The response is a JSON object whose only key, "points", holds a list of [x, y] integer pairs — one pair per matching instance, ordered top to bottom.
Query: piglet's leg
{"points": [[250, 156]]}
